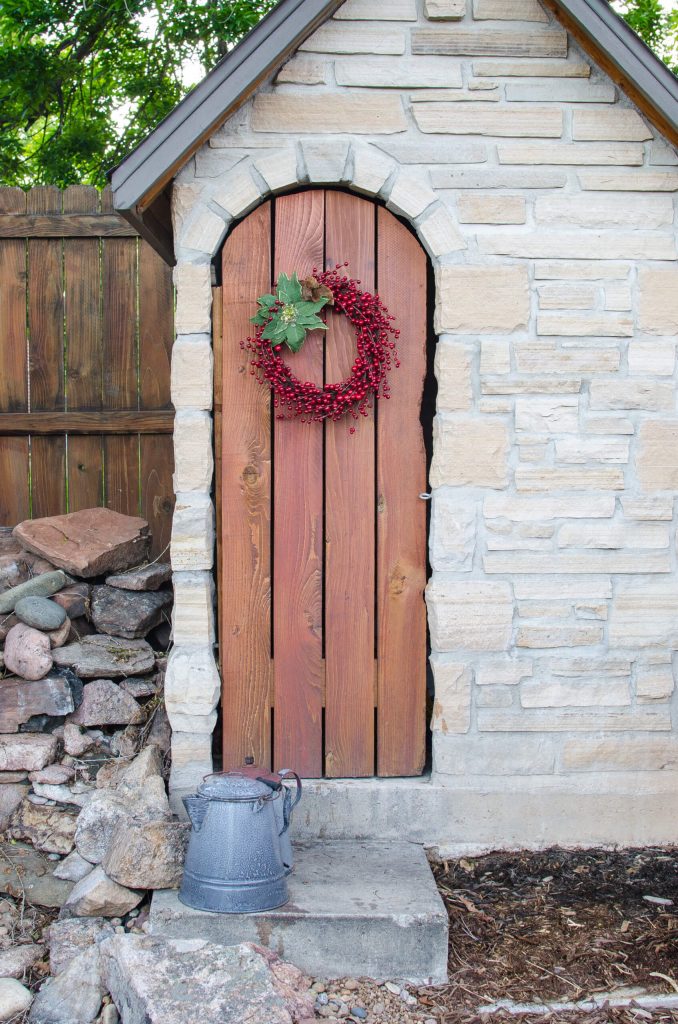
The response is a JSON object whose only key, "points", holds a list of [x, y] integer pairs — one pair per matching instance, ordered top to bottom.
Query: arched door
{"points": [[322, 622]]}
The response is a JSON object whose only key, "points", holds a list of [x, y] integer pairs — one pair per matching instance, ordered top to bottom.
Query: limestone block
{"points": [[388, 10], [444, 10], [508, 10], [334, 37], [477, 41], [528, 68], [303, 71], [404, 73], [566, 90], [489, 93], [292, 113], [514, 122], [616, 123], [440, 151], [613, 153], [663, 153], [325, 159], [213, 163], [279, 169], [371, 170], [496, 177], [628, 181], [239, 193], [410, 195], [479, 209], [605, 211], [205, 231], [439, 233], [580, 245], [580, 270], [566, 296], [618, 296], [194, 299], [483, 300], [658, 309], [584, 325], [495, 356], [545, 357], [652, 358], [453, 364], [191, 375], [546, 385], [633, 393], [548, 415], [608, 425], [598, 449], [469, 452], [533, 452], [657, 458], [193, 459], [648, 508], [534, 509], [613, 535], [503, 536], [452, 537], [192, 545], [591, 562], [551, 588], [544, 610], [193, 613], [644, 614], [471, 616], [558, 636], [586, 666], [504, 671], [654, 682], [192, 683], [558, 693], [494, 697], [452, 704], [575, 720], [194, 723], [619, 754], [492, 755], [191, 760]]}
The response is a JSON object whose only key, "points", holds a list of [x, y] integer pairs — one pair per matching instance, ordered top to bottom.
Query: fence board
{"points": [[14, 452], [298, 518], [349, 519]]}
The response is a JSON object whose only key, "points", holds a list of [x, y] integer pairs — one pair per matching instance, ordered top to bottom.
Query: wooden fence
{"points": [[86, 327]]}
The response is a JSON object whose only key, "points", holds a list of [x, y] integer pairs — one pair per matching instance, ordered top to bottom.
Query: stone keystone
{"points": [[87, 543]]}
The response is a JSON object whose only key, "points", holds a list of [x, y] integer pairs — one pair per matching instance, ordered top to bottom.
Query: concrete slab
{"points": [[357, 908]]}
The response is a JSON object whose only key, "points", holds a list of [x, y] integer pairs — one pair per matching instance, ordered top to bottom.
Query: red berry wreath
{"points": [[285, 318]]}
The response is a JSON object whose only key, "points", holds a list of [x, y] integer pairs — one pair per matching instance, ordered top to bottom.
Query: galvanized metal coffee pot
{"points": [[239, 852]]}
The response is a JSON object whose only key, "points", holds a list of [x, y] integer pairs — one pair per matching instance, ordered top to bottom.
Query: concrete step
{"points": [[358, 908]]}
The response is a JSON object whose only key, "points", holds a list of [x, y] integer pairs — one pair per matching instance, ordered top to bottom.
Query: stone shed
{"points": [[504, 172]]}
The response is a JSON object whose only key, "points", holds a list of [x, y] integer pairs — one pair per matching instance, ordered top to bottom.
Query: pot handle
{"points": [[288, 803]]}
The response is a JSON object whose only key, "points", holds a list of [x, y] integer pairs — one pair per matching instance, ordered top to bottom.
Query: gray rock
{"points": [[148, 577], [40, 586], [74, 600], [40, 612], [126, 613], [6, 623], [58, 637], [28, 652], [106, 657], [140, 687], [21, 700], [104, 703], [160, 731], [76, 741], [27, 751], [145, 765], [53, 775], [11, 778], [62, 794], [10, 798], [110, 811], [51, 829], [148, 855], [73, 867], [27, 873], [97, 895], [75, 935], [15, 961], [193, 981], [74, 996], [14, 999], [110, 1015]]}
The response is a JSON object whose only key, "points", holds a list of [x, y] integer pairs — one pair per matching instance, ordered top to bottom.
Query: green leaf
{"points": [[289, 289], [267, 300], [305, 308], [260, 318], [312, 323], [275, 330], [295, 337]]}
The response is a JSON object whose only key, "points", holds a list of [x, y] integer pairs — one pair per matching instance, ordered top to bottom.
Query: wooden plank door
{"points": [[322, 534]]}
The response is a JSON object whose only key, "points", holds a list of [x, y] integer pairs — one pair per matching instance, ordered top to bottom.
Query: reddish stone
{"points": [[87, 543], [74, 600], [27, 652]]}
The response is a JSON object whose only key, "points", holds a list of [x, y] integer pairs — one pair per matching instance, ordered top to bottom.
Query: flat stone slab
{"points": [[357, 908]]}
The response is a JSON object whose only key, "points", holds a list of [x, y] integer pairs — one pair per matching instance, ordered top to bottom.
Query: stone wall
{"points": [[546, 204]]}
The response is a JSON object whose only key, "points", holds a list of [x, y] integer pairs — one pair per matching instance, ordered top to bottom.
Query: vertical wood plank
{"points": [[156, 329], [46, 356], [84, 369], [217, 401], [14, 467], [121, 473], [157, 494], [245, 502], [349, 518], [298, 520], [401, 520]]}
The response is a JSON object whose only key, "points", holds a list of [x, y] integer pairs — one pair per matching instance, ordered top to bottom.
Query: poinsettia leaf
{"points": [[289, 289], [267, 300], [307, 308], [261, 317], [312, 323], [274, 330], [294, 338]]}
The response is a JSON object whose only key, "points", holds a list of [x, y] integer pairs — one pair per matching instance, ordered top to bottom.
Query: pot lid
{"points": [[233, 786]]}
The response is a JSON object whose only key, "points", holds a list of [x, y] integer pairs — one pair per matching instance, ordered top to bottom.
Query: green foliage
{"points": [[655, 24], [83, 81], [291, 317]]}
